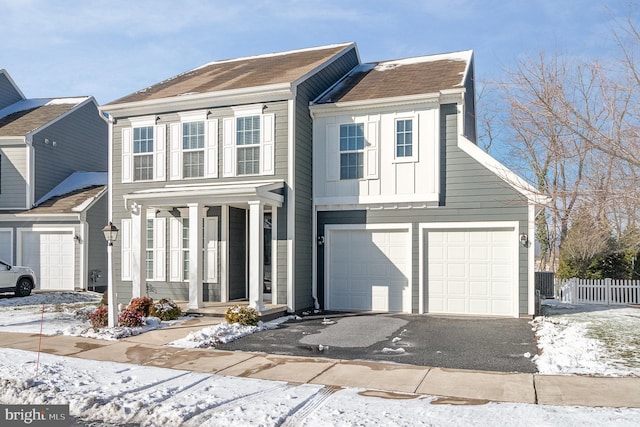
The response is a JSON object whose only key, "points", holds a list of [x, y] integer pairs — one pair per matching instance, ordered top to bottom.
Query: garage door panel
{"points": [[51, 254], [479, 266], [370, 271]]}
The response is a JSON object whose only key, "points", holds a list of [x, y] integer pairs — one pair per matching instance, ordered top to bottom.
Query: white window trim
{"points": [[414, 139], [266, 146], [210, 149], [158, 153], [371, 158], [159, 249], [178, 251]]}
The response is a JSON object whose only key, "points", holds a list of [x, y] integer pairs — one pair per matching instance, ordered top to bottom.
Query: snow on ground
{"points": [[572, 339], [588, 339], [120, 393]]}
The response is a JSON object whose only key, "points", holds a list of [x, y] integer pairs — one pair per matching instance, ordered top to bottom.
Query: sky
{"points": [[109, 49]]}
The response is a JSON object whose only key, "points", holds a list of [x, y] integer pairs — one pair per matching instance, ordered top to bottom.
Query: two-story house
{"points": [[306, 178], [210, 180], [53, 204], [409, 214]]}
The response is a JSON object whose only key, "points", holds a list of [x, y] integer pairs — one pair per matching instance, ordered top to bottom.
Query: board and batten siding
{"points": [[307, 92], [8, 93], [80, 145], [13, 186], [470, 193], [179, 290]]}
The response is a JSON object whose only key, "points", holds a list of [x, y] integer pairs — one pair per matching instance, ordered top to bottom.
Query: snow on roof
{"points": [[464, 56], [29, 104], [75, 181]]}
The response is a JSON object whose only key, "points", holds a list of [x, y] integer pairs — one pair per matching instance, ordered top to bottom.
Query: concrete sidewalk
{"points": [[457, 386]]}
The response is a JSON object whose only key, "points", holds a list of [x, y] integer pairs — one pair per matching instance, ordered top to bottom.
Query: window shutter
{"points": [[267, 145], [229, 148], [211, 149], [371, 151], [159, 153], [127, 155], [332, 155], [175, 169], [125, 239], [211, 250], [159, 253], [175, 255]]}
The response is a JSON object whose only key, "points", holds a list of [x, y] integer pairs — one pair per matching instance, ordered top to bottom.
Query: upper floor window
{"points": [[404, 138], [248, 145], [193, 149], [352, 151], [143, 153]]}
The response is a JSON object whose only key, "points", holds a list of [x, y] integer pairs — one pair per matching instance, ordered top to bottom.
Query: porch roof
{"points": [[209, 194]]}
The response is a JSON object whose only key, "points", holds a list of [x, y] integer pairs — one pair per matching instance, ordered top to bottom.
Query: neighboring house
{"points": [[305, 178], [210, 180], [410, 214], [51, 216]]}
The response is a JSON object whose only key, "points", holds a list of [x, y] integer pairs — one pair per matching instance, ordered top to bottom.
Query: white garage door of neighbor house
{"points": [[51, 255], [368, 270], [471, 272]]}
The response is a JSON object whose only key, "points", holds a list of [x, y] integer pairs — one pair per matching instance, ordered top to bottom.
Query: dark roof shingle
{"points": [[240, 73], [22, 122]]}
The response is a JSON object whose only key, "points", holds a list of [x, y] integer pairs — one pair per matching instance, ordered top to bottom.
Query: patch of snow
{"points": [[464, 56], [75, 181], [396, 339], [398, 350]]}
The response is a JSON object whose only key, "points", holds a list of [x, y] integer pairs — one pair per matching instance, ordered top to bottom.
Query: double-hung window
{"points": [[404, 138], [248, 145], [193, 149], [352, 151], [143, 153], [149, 235], [185, 248]]}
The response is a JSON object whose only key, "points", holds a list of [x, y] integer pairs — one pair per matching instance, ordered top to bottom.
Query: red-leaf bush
{"points": [[142, 304], [99, 318], [131, 318]]}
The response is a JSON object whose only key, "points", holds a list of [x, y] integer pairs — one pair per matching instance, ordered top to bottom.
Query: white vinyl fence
{"points": [[603, 291]]}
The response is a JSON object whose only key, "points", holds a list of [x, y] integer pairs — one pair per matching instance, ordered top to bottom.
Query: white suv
{"points": [[20, 280]]}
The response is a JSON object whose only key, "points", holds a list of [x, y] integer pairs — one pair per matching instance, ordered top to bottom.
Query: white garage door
{"points": [[5, 246], [51, 255], [368, 270], [472, 272]]}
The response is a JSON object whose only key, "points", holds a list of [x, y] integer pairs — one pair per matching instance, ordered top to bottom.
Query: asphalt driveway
{"points": [[490, 344]]}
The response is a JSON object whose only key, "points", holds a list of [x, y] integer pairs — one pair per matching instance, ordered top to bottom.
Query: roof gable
{"points": [[241, 73], [405, 77], [28, 115]]}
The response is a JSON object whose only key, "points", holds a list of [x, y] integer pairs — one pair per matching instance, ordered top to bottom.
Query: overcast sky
{"points": [[108, 49]]}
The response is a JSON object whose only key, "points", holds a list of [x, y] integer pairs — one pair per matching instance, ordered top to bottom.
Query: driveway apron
{"points": [[491, 344]]}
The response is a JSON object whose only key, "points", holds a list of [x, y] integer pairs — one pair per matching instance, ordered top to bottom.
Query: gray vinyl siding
{"points": [[308, 91], [8, 93], [81, 145], [13, 170], [473, 194], [97, 218], [179, 291]]}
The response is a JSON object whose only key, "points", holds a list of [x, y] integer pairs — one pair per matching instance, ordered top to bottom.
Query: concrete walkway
{"points": [[456, 386]]}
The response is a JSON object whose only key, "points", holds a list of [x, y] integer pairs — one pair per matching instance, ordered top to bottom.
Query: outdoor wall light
{"points": [[524, 239], [320, 240]]}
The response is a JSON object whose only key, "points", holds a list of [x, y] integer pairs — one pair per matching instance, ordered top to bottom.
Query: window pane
{"points": [[248, 130], [192, 135], [404, 139], [143, 140], [351, 147], [248, 160], [193, 164], [351, 166], [143, 167]]}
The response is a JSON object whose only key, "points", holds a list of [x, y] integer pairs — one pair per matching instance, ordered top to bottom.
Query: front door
{"points": [[237, 254]]}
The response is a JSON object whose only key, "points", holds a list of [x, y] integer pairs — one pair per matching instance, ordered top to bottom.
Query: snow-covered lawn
{"points": [[588, 339], [119, 393]]}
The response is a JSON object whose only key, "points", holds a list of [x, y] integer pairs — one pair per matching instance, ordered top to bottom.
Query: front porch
{"points": [[218, 240], [218, 309]]}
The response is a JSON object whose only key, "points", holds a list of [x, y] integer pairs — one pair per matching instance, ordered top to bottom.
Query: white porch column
{"points": [[138, 250], [256, 255], [195, 256]]}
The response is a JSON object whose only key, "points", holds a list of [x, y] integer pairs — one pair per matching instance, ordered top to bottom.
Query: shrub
{"points": [[143, 305], [165, 309], [244, 315], [99, 318], [130, 318]]}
